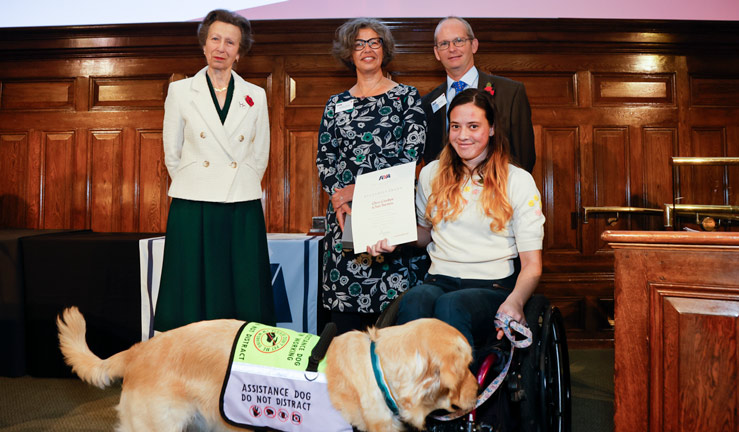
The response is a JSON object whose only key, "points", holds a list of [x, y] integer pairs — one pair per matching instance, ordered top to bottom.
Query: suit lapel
{"points": [[483, 80], [438, 91], [203, 103], [239, 106], [436, 137]]}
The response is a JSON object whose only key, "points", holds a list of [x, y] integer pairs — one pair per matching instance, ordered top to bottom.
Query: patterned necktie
{"points": [[458, 86]]}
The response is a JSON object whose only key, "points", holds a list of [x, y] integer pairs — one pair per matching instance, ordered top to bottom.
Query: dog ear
{"points": [[455, 375], [438, 384]]}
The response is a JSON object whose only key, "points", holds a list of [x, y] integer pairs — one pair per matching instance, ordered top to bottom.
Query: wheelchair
{"points": [[535, 396]]}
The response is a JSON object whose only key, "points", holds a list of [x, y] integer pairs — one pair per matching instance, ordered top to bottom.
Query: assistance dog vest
{"points": [[272, 383]]}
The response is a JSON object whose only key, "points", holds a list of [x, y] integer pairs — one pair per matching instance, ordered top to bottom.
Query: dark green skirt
{"points": [[216, 265]]}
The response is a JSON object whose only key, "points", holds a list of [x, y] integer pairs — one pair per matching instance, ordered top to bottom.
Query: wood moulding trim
{"points": [[413, 35], [677, 238], [563, 278]]}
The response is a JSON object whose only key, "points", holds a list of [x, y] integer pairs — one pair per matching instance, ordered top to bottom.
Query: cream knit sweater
{"points": [[466, 247]]}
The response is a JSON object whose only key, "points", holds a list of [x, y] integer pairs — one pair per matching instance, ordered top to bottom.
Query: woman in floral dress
{"points": [[375, 124]]}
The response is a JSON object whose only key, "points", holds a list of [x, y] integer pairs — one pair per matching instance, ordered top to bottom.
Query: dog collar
{"points": [[380, 379]]}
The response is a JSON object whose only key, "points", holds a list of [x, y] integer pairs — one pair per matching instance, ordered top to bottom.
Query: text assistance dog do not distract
{"points": [[173, 381]]}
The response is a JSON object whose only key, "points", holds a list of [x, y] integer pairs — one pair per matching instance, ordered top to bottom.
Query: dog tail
{"points": [[89, 367]]}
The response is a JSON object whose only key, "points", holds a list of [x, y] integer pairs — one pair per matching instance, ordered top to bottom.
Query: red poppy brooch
{"points": [[489, 88], [249, 100]]}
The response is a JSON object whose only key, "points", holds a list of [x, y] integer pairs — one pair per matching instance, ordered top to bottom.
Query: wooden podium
{"points": [[676, 330]]}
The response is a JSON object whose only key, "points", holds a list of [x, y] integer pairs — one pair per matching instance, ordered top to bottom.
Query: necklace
{"points": [[212, 81]]}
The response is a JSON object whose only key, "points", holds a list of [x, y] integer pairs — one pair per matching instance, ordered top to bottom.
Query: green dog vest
{"points": [[267, 384]]}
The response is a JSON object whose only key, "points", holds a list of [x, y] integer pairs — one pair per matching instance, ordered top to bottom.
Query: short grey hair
{"points": [[227, 17], [468, 27], [347, 33]]}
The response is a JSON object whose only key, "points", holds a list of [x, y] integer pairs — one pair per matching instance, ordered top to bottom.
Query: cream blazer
{"points": [[210, 161]]}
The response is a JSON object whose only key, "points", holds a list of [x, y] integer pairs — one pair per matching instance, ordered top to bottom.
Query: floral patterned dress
{"points": [[361, 135]]}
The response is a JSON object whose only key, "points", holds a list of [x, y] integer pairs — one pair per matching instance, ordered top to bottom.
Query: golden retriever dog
{"points": [[173, 381]]}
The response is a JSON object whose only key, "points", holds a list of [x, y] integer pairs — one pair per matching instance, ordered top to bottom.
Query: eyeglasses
{"points": [[458, 42], [373, 43]]}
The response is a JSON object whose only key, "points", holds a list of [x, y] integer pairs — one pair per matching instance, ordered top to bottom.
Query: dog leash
{"points": [[508, 325]]}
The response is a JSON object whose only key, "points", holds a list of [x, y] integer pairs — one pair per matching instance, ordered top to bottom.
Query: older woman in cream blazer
{"points": [[216, 148], [210, 161]]}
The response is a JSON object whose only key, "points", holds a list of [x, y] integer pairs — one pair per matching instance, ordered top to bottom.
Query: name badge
{"points": [[438, 103], [345, 106]]}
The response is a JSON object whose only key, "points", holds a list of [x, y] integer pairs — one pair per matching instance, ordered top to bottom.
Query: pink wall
{"points": [[725, 10], [84, 12]]}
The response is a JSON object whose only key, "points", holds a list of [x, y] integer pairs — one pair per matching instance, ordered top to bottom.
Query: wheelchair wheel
{"points": [[389, 316], [554, 363], [543, 372]]}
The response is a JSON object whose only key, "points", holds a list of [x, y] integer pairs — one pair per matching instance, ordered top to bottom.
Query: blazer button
{"points": [[202, 135], [241, 138], [206, 164], [233, 164]]}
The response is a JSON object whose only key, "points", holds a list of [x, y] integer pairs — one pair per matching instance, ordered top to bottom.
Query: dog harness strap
{"points": [[505, 323], [319, 351], [380, 379]]}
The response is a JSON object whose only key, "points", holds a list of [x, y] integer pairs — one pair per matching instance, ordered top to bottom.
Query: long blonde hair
{"points": [[445, 201]]}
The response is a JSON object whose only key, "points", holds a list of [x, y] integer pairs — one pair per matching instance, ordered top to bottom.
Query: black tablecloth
{"points": [[99, 273], [12, 333]]}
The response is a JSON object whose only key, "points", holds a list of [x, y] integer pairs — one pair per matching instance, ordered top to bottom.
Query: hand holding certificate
{"points": [[383, 207]]}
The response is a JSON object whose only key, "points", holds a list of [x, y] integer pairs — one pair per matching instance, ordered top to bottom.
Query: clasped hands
{"points": [[340, 201]]}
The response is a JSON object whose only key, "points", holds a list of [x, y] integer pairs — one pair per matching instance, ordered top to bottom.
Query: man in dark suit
{"points": [[455, 46]]}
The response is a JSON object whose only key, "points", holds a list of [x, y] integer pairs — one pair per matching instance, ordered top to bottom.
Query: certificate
{"points": [[383, 207]]}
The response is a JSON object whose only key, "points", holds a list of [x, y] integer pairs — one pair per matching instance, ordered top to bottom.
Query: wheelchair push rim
{"points": [[554, 368]]}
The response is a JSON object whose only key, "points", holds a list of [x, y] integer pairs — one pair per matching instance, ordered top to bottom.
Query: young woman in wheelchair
{"points": [[477, 212]]}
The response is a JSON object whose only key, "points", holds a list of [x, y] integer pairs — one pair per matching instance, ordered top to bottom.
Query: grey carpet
{"points": [[592, 390], [56, 404], [62, 405]]}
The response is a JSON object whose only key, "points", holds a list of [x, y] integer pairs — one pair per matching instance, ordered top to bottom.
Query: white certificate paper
{"points": [[383, 207]]}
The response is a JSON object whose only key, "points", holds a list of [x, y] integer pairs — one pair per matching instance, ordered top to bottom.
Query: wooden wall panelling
{"points": [[548, 89], [620, 89], [313, 91], [714, 91], [128, 93], [37, 95], [710, 130], [658, 144], [13, 166], [561, 171], [611, 177], [107, 178], [56, 179], [33, 180], [81, 184], [704, 184], [732, 193], [307, 196], [152, 202], [586, 303]]}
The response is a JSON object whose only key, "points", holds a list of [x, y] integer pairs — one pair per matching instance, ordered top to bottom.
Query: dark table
{"points": [[97, 272], [12, 328]]}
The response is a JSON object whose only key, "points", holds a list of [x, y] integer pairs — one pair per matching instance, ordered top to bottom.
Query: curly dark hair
{"points": [[227, 17], [346, 34]]}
